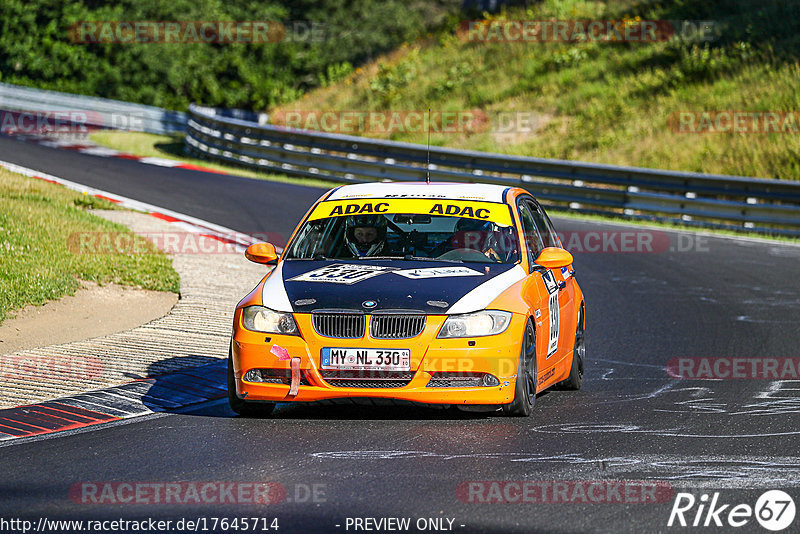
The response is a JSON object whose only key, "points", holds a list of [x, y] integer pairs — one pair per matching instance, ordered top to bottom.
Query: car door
{"points": [[564, 279], [544, 312]]}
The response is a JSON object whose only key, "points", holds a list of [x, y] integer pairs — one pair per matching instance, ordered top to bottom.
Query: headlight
{"points": [[261, 319], [483, 323]]}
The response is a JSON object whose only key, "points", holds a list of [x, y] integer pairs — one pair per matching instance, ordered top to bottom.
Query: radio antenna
{"points": [[428, 165]]}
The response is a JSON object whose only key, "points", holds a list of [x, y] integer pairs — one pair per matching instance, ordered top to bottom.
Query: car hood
{"points": [[304, 286]]}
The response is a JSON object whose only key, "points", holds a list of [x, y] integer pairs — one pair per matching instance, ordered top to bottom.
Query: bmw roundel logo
{"points": [[369, 304]]}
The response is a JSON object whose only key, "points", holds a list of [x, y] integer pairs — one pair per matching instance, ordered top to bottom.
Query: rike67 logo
{"points": [[774, 510]]}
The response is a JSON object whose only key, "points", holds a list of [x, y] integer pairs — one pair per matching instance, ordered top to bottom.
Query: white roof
{"points": [[445, 190]]}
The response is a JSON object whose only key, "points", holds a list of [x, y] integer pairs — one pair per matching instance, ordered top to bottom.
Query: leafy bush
{"points": [[36, 49], [456, 77], [387, 85]]}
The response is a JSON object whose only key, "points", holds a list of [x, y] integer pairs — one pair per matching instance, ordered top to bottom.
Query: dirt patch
{"points": [[92, 312]]}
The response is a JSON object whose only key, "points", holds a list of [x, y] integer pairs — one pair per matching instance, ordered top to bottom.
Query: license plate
{"points": [[366, 359]]}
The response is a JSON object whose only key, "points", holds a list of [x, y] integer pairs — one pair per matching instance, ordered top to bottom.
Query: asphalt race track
{"points": [[694, 297]]}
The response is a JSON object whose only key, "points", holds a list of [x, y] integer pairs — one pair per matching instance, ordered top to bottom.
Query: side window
{"points": [[544, 226], [532, 238]]}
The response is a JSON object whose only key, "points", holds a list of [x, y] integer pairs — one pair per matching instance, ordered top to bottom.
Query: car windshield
{"points": [[405, 236]]}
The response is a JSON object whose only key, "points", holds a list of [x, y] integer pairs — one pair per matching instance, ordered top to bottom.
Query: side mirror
{"points": [[261, 253], [554, 258]]}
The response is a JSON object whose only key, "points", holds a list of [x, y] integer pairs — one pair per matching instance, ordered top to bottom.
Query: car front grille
{"points": [[339, 324], [396, 325], [367, 379]]}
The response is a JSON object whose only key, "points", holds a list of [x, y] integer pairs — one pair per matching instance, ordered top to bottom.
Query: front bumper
{"points": [[497, 355]]}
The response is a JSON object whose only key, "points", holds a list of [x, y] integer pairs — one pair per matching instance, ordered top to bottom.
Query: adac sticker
{"points": [[472, 209], [437, 272], [341, 273]]}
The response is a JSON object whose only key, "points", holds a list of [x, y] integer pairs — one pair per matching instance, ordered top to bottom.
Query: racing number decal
{"points": [[341, 274], [555, 314], [555, 320]]}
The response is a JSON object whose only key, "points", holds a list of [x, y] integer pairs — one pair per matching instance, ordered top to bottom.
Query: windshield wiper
{"points": [[315, 257], [407, 257], [378, 258], [425, 258]]}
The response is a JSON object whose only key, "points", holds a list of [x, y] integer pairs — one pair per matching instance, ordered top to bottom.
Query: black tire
{"points": [[575, 379], [525, 387], [247, 409]]}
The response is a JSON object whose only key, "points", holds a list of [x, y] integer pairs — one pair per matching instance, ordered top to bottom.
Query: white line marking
{"points": [[99, 151], [162, 162]]}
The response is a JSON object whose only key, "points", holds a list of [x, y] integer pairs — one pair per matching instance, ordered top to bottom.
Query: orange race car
{"points": [[436, 293]]}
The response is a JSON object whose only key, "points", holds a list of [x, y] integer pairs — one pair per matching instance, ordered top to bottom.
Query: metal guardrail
{"points": [[99, 112], [732, 202]]}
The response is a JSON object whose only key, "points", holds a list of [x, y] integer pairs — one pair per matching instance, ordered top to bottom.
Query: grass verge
{"points": [[36, 261]]}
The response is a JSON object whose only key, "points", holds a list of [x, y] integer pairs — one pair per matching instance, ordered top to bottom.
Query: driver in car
{"points": [[365, 235], [477, 235]]}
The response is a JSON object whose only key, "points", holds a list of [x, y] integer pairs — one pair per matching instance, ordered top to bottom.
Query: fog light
{"points": [[253, 375], [490, 380]]}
